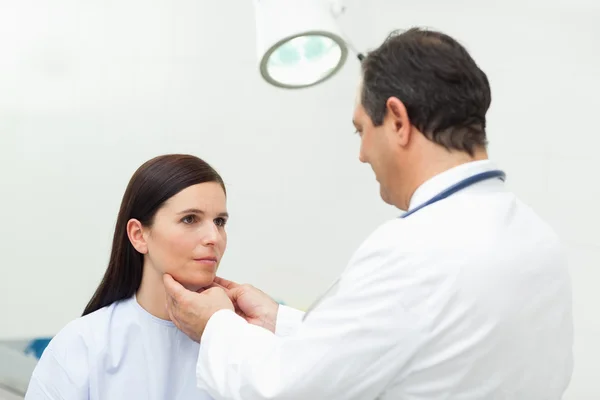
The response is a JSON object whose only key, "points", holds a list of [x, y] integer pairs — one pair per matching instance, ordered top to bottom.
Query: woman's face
{"points": [[188, 238]]}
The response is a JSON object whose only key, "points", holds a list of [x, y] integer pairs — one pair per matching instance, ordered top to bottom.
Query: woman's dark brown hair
{"points": [[156, 181]]}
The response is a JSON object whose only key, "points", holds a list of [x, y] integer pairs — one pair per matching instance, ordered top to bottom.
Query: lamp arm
{"points": [[337, 9]]}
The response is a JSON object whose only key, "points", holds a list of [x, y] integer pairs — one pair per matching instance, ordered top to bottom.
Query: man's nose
{"points": [[361, 156]]}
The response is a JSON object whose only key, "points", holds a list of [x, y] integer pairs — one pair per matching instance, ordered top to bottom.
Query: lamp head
{"points": [[298, 42]]}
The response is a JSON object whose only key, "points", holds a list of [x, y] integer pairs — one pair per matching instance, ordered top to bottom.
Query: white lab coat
{"points": [[468, 298]]}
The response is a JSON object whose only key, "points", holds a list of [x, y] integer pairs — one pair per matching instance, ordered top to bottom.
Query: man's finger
{"points": [[225, 283], [215, 284], [212, 285], [214, 289], [228, 292], [232, 293], [170, 307], [173, 319]]}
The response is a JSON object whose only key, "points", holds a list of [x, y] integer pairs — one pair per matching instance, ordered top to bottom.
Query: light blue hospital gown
{"points": [[120, 352]]}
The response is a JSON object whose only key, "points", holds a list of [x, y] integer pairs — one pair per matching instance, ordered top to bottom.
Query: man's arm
{"points": [[288, 321], [350, 347]]}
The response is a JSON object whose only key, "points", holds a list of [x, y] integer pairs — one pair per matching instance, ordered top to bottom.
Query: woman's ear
{"points": [[397, 118], [135, 232]]}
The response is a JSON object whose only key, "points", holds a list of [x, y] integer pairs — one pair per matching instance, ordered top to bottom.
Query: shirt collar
{"points": [[444, 180]]}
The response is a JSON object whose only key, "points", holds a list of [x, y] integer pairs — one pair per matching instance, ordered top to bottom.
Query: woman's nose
{"points": [[211, 235]]}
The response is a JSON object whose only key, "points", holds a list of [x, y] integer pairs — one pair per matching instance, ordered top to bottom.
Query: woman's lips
{"points": [[208, 261]]}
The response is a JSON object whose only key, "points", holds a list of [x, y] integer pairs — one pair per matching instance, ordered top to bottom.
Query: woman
{"points": [[172, 220]]}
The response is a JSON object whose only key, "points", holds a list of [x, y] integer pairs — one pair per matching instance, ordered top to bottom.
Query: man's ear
{"points": [[397, 118], [135, 232]]}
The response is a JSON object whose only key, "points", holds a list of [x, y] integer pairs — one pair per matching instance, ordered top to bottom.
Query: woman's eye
{"points": [[190, 219], [220, 222]]}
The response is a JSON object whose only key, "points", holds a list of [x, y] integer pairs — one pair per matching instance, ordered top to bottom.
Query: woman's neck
{"points": [[151, 294]]}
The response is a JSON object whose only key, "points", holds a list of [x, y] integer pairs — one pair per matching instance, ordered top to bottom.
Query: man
{"points": [[465, 296]]}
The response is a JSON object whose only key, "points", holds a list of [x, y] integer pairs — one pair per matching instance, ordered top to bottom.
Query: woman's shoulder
{"points": [[78, 332], [86, 333], [72, 350], [63, 369]]}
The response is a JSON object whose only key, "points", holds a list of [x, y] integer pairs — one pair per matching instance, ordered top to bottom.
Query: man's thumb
{"points": [[172, 287], [234, 293]]}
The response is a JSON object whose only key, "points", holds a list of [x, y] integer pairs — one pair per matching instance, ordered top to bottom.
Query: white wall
{"points": [[91, 90], [88, 91]]}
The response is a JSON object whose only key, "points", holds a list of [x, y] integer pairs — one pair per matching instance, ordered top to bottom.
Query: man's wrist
{"points": [[270, 319]]}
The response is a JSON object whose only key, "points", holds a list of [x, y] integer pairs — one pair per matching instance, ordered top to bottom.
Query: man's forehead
{"points": [[357, 98]]}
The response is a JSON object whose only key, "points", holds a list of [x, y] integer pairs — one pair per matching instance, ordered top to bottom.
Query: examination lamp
{"points": [[299, 43]]}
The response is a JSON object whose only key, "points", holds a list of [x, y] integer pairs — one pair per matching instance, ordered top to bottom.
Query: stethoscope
{"points": [[465, 183]]}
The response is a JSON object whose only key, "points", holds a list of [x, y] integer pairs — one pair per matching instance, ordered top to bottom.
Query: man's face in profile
{"points": [[374, 149]]}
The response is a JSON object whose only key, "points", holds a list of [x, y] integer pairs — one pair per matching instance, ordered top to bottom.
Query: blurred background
{"points": [[91, 90]]}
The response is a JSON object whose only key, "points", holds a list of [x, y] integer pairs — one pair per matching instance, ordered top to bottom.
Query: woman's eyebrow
{"points": [[192, 211], [198, 211]]}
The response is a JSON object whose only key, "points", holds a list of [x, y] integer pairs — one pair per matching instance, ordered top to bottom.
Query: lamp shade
{"points": [[298, 42]]}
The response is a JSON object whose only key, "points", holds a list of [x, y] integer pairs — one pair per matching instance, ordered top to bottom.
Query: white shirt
{"points": [[468, 298], [120, 352]]}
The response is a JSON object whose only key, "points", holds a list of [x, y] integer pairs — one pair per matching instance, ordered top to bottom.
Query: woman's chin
{"points": [[198, 282]]}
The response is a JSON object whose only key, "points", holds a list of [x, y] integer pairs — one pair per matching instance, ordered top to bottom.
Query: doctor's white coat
{"points": [[468, 298]]}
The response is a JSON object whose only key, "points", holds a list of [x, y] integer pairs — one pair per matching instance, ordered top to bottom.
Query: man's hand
{"points": [[252, 304], [190, 311]]}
